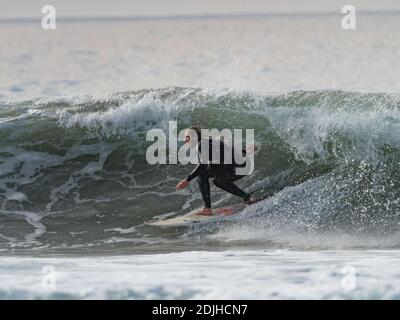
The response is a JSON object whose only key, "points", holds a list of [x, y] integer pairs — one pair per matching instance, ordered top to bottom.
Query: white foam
{"points": [[17, 196], [31, 218], [253, 274]]}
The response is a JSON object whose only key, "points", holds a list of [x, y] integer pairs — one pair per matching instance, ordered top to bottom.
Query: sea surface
{"points": [[76, 190]]}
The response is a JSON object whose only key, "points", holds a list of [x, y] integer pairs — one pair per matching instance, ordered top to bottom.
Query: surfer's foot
{"points": [[250, 200], [204, 212]]}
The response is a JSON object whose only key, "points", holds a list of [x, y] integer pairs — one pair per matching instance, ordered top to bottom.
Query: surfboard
{"points": [[191, 218]]}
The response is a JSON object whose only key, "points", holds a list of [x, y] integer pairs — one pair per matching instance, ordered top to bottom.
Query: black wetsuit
{"points": [[224, 174]]}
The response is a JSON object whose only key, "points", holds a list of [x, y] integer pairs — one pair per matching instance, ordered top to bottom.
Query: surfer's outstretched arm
{"points": [[195, 172], [185, 182]]}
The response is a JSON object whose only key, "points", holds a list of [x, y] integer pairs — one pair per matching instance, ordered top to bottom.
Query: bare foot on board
{"points": [[203, 212]]}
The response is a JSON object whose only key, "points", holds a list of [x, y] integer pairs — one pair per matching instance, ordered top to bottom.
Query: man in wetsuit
{"points": [[224, 174]]}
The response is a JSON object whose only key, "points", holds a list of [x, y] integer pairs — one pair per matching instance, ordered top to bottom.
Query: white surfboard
{"points": [[192, 219]]}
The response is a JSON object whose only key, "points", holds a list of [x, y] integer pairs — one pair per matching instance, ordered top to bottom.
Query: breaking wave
{"points": [[73, 172]]}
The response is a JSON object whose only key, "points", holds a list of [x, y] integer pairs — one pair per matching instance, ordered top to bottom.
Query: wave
{"points": [[73, 171]]}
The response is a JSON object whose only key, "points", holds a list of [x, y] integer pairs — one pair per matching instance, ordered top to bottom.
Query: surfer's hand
{"points": [[182, 185]]}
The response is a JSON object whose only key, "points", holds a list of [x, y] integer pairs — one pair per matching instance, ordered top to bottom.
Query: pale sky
{"points": [[92, 8]]}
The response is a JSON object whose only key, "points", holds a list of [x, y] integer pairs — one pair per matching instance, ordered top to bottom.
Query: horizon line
{"points": [[72, 19]]}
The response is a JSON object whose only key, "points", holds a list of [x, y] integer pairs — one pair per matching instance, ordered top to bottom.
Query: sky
{"points": [[112, 8]]}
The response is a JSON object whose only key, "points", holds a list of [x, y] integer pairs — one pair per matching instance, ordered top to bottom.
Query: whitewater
{"points": [[76, 190]]}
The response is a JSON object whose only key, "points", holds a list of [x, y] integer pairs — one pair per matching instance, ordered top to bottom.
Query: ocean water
{"points": [[76, 190]]}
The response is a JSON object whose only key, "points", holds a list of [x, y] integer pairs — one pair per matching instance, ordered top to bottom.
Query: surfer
{"points": [[224, 174]]}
